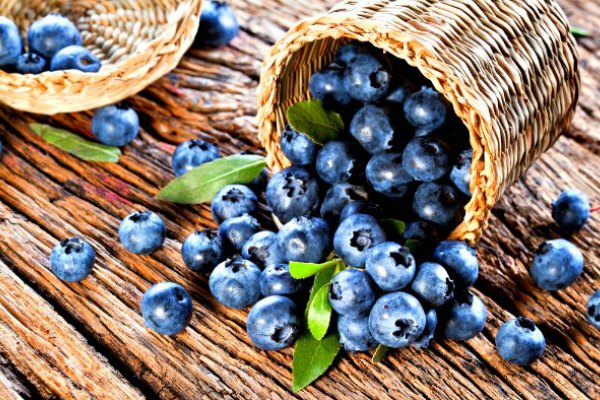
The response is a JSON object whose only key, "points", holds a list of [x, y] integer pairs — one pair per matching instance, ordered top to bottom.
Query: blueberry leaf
{"points": [[579, 32], [319, 124], [76, 145], [202, 183], [393, 227], [412, 245], [300, 270], [319, 313], [380, 352], [312, 358]]}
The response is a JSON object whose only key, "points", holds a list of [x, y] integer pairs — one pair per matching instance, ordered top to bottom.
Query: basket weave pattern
{"points": [[138, 42], [509, 69]]}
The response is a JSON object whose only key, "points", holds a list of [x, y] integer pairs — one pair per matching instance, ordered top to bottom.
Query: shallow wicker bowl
{"points": [[138, 41], [508, 67]]}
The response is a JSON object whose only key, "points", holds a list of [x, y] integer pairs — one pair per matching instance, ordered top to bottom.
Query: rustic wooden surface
{"points": [[87, 340]]}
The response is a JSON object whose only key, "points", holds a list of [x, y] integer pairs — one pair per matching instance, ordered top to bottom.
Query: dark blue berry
{"points": [[218, 24], [52, 33], [11, 44], [348, 52], [77, 58], [31, 63], [367, 78], [327, 85], [398, 95], [425, 110], [115, 125], [373, 129], [298, 147], [188, 155], [426, 159], [337, 162], [460, 174], [387, 176], [292, 192], [338, 197], [233, 201], [439, 204], [361, 207], [571, 210], [236, 231], [422, 231], [142, 232], [355, 237], [305, 239], [263, 249], [202, 250], [459, 259], [72, 260], [557, 264], [391, 266], [276, 279], [235, 283], [432, 284], [351, 293], [167, 308], [593, 309], [464, 316], [397, 320], [273, 323], [354, 333], [426, 337], [519, 341]]}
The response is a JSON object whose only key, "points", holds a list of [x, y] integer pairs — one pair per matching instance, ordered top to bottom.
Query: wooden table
{"points": [[87, 340]]}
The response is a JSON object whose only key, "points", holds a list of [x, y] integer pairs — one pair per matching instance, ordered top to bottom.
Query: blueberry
{"points": [[218, 24], [48, 35], [11, 44], [348, 52], [75, 57], [30, 63], [367, 78], [327, 85], [398, 95], [425, 110], [115, 125], [373, 129], [298, 147], [188, 155], [426, 158], [337, 162], [460, 174], [387, 176], [292, 192], [339, 196], [233, 201], [438, 203], [361, 207], [571, 210], [236, 231], [422, 231], [142, 232], [355, 236], [305, 239], [263, 249], [202, 250], [459, 259], [72, 260], [556, 264], [391, 266], [276, 279], [235, 283], [432, 284], [351, 293], [167, 308], [593, 309], [464, 316], [397, 320], [273, 323], [354, 333], [426, 337], [519, 341]]}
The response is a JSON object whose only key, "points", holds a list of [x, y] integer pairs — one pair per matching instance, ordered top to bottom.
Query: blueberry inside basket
{"points": [[137, 42], [508, 69]]}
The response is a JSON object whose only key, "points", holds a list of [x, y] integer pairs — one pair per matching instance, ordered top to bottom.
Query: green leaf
{"points": [[579, 32], [319, 124], [76, 145], [202, 183], [393, 228], [413, 245], [300, 270], [319, 313], [380, 352], [312, 358]]}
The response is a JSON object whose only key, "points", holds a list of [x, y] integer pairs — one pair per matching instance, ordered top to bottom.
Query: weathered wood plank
{"points": [[11, 387]]}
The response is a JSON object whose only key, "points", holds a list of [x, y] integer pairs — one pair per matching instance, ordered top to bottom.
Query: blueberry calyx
{"points": [[140, 216], [72, 245], [525, 323], [405, 327]]}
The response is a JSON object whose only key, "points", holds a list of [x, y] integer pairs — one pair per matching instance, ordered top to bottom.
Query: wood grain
{"points": [[47, 195]]}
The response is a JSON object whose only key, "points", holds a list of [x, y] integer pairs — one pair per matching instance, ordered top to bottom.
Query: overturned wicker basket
{"points": [[138, 41], [508, 67]]}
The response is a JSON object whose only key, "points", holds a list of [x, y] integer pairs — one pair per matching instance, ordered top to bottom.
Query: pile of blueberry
{"points": [[54, 45]]}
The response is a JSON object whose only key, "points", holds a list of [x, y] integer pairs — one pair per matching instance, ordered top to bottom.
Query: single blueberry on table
{"points": [[218, 24], [52, 33], [11, 44], [77, 58], [30, 63], [367, 77], [327, 85], [425, 110], [115, 125], [372, 127], [298, 147], [188, 155], [426, 159], [337, 162], [460, 174], [387, 175], [292, 192], [338, 197], [233, 201], [439, 204], [361, 207], [571, 210], [236, 231], [422, 231], [142, 232], [355, 237], [305, 239], [263, 249], [202, 250], [459, 259], [72, 260], [556, 264], [391, 266], [276, 279], [235, 283], [432, 284], [351, 293], [167, 308], [593, 309], [463, 317], [397, 320], [273, 323], [354, 333], [426, 337], [519, 341]]}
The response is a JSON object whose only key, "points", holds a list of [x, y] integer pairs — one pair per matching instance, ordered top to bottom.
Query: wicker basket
{"points": [[138, 42], [508, 67]]}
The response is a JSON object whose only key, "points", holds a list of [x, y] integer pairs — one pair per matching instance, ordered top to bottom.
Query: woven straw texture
{"points": [[138, 42], [509, 69]]}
